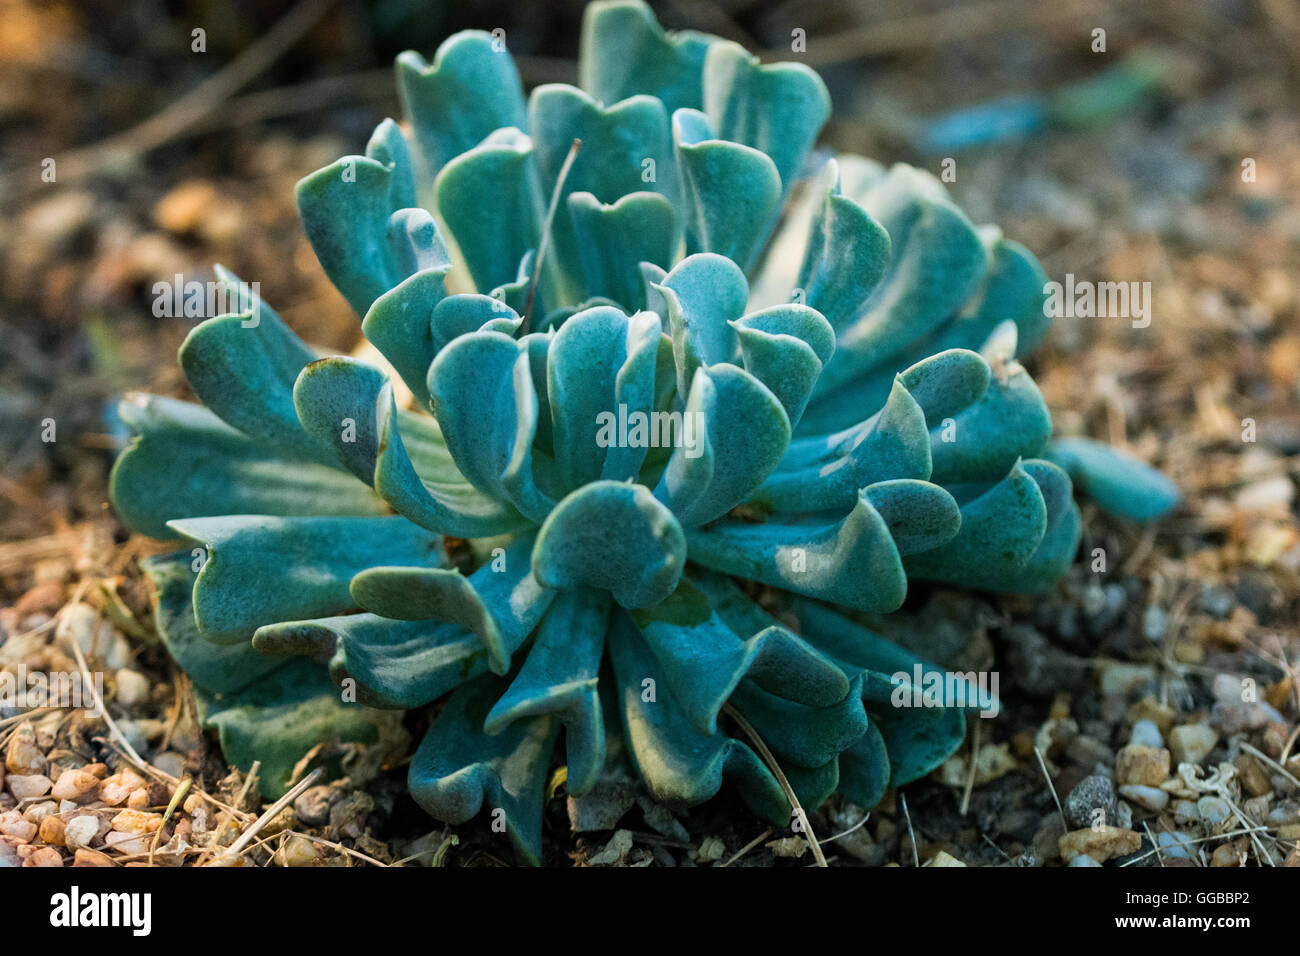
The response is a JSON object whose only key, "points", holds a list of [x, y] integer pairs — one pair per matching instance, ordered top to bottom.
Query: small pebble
{"points": [[1216, 601], [1154, 623], [133, 688], [1145, 733], [1191, 743], [23, 756], [170, 763], [1144, 766], [1252, 776], [24, 786], [78, 786], [115, 790], [1149, 798], [1091, 801], [1213, 810], [37, 812], [136, 821], [13, 825], [52, 830], [80, 831], [127, 843], [1100, 843], [1176, 845], [1227, 854], [44, 856], [86, 857], [1084, 860]]}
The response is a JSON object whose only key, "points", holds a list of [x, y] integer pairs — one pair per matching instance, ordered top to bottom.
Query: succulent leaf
{"points": [[624, 51], [470, 90], [1116, 480]]}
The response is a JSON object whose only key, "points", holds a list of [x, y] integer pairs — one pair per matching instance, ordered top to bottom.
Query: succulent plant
{"points": [[700, 399]]}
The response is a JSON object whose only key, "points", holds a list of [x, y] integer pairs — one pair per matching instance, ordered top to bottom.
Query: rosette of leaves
{"points": [[834, 342]]}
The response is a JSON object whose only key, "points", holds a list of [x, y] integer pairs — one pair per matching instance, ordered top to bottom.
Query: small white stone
{"points": [[132, 688], [1145, 733], [1191, 743], [28, 785], [76, 786], [1150, 798], [13, 825], [80, 832], [127, 843]]}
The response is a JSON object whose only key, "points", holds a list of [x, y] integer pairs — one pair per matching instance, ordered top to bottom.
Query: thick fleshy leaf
{"points": [[624, 51], [452, 104], [777, 108], [626, 148], [731, 193], [491, 200], [358, 215], [614, 239], [847, 253], [936, 261], [1011, 289], [703, 294], [459, 315], [398, 324], [786, 347], [243, 367], [947, 383], [600, 385], [484, 400], [349, 406], [1009, 421], [740, 432], [186, 462], [827, 474], [1119, 482], [1000, 531], [615, 536], [1061, 539], [854, 562], [262, 569], [501, 602], [704, 660], [380, 662], [219, 669], [559, 676], [279, 718], [801, 735], [918, 739], [917, 745], [681, 766], [865, 768], [459, 769]]}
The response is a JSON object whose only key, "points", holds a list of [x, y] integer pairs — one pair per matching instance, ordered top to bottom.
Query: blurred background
{"points": [[1144, 142]]}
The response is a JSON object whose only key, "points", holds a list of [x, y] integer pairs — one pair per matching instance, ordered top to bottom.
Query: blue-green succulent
{"points": [[685, 398]]}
